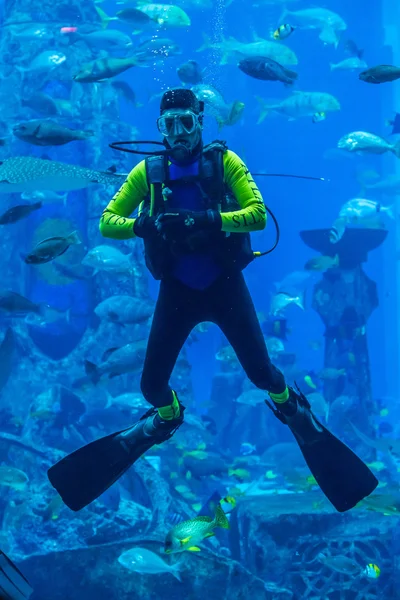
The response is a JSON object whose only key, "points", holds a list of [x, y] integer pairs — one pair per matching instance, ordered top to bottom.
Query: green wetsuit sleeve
{"points": [[252, 215], [114, 222]]}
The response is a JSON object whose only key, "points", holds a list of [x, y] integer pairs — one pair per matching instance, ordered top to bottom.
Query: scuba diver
{"points": [[197, 206]]}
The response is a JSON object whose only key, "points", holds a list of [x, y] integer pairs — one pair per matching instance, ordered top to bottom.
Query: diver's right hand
{"points": [[145, 226]]}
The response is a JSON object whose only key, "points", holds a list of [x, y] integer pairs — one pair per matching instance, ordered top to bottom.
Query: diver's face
{"points": [[180, 126]]}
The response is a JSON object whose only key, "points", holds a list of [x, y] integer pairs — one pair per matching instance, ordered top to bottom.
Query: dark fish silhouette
{"points": [[261, 67]]}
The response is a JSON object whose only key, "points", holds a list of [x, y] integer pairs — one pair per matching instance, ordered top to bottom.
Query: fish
{"points": [[132, 15], [165, 15], [315, 18], [28, 31], [283, 32], [111, 39], [351, 48], [156, 49], [232, 50], [43, 63], [349, 64], [102, 69], [267, 69], [190, 72], [380, 74], [123, 88], [40, 103], [299, 104], [225, 114], [318, 117], [394, 123], [48, 133], [362, 141], [28, 174], [390, 186], [45, 197], [360, 209], [16, 213], [337, 230], [48, 249], [110, 259], [322, 263], [74, 272], [293, 281], [282, 300], [16, 305], [124, 310], [276, 327], [274, 346], [7, 351], [226, 354], [116, 361], [330, 373], [252, 397], [129, 400], [319, 405], [342, 405], [386, 445], [246, 449], [212, 466], [239, 473], [13, 478], [386, 504], [188, 534], [142, 560], [340, 564], [372, 571]]}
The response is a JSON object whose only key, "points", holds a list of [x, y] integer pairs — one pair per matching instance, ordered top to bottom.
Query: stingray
{"points": [[29, 174]]}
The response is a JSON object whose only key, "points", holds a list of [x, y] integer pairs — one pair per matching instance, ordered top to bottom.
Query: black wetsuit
{"points": [[228, 304]]}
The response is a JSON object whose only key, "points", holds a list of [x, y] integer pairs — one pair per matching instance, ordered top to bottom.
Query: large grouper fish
{"points": [[28, 174]]}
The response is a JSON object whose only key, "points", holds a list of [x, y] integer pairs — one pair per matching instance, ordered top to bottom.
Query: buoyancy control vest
{"points": [[231, 252]]}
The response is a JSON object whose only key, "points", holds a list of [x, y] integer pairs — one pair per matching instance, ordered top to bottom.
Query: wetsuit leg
{"points": [[177, 311], [234, 313]]}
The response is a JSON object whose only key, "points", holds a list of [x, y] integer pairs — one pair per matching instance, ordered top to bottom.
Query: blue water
{"points": [[270, 551]]}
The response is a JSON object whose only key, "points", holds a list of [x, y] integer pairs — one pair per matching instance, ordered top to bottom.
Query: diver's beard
{"points": [[182, 150]]}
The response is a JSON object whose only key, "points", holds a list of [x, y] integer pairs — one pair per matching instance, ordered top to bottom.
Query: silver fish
{"points": [[111, 39], [232, 50], [44, 63], [349, 64], [300, 104], [45, 132], [362, 141], [28, 174], [360, 209], [108, 258], [282, 300], [124, 310], [117, 361], [142, 560]]}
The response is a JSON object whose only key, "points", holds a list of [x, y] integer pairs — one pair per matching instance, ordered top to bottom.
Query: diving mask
{"points": [[173, 123]]}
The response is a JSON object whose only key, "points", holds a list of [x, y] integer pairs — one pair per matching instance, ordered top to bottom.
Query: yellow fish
{"points": [[187, 535]]}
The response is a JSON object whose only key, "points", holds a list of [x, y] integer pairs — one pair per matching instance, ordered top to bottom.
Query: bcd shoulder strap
{"points": [[212, 172], [156, 174], [210, 178]]}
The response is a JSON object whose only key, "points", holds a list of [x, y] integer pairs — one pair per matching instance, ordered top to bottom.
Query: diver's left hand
{"points": [[180, 223]]}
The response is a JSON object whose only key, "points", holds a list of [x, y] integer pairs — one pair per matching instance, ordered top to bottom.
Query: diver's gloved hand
{"points": [[180, 223], [144, 226]]}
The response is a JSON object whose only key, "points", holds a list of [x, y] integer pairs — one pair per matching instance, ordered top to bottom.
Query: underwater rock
{"points": [[95, 573]]}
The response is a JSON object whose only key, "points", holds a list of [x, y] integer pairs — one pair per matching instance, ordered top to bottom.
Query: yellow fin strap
{"points": [[280, 398], [172, 411]]}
